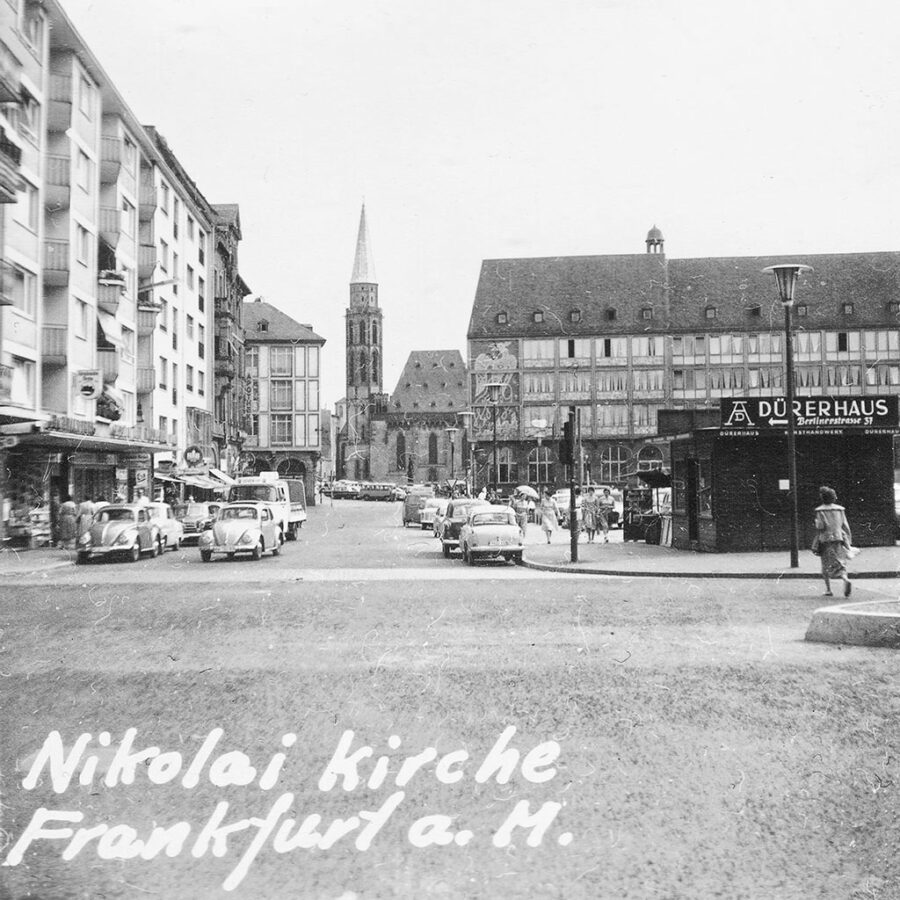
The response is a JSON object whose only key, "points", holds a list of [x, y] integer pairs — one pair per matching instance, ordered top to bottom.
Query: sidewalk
{"points": [[640, 559], [14, 563]]}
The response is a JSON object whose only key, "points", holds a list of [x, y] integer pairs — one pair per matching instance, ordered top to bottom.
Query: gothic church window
{"points": [[432, 449], [401, 451]]}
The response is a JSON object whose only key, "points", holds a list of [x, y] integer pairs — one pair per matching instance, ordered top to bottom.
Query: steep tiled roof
{"points": [[575, 294], [279, 327], [431, 381]]}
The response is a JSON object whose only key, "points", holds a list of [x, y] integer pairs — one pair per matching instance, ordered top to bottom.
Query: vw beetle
{"points": [[242, 528]]}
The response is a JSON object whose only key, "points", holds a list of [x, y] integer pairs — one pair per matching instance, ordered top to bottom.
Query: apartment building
{"points": [[621, 337], [283, 360], [107, 368]]}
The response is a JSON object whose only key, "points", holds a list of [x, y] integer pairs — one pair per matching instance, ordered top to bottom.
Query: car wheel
{"points": [[163, 544], [177, 545], [159, 547], [276, 549], [446, 549], [257, 552], [134, 554], [206, 555], [516, 557], [82, 558]]}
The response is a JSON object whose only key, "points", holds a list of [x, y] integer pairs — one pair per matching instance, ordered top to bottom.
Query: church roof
{"points": [[363, 264], [277, 325], [431, 381]]}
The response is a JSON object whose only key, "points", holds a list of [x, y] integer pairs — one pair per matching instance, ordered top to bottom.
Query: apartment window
{"points": [[33, 27], [85, 97], [29, 119], [129, 155], [83, 171], [164, 193], [27, 207], [176, 214], [128, 218], [190, 228], [82, 244], [201, 246], [163, 255], [175, 272], [189, 277], [24, 291], [201, 293], [163, 315], [81, 319], [189, 327], [174, 328], [201, 341], [842, 342], [127, 343], [881, 343], [808, 344], [647, 347], [689, 347], [764, 347], [726, 348], [612, 349], [575, 352], [539, 353], [252, 358], [280, 359], [312, 361], [163, 370], [883, 375], [808, 376], [842, 376], [189, 378], [689, 379], [726, 379], [765, 379], [648, 380], [613, 381], [201, 382], [574, 382], [539, 383], [22, 386], [174, 388], [312, 389], [281, 394], [644, 417], [612, 418], [163, 424], [254, 424], [280, 430], [300, 435], [312, 435], [508, 467]]}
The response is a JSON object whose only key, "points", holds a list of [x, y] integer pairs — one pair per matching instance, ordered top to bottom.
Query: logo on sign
{"points": [[89, 383], [740, 415], [193, 456]]}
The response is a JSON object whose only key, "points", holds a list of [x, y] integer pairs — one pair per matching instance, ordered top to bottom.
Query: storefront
{"points": [[730, 487]]}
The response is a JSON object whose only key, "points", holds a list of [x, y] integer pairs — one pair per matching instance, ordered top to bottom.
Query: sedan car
{"points": [[429, 511], [196, 518], [453, 521], [242, 528], [120, 530], [171, 530], [491, 532]]}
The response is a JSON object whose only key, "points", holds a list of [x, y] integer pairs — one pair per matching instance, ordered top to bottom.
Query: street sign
{"points": [[89, 383], [749, 416]]}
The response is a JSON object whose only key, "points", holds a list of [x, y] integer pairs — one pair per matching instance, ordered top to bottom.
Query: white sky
{"points": [[479, 129]]}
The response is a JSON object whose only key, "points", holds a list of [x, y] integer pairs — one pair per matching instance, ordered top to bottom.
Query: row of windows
{"points": [[362, 333], [717, 347], [287, 360], [189, 383], [285, 394], [288, 430], [403, 459]]}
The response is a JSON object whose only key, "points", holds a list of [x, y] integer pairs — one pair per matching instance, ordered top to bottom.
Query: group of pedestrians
{"points": [[75, 519]]}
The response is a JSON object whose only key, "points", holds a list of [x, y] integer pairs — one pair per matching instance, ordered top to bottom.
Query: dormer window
{"points": [[847, 309], [802, 310], [755, 311], [711, 312], [646, 313], [575, 315], [610, 315], [537, 316], [502, 318], [262, 325]]}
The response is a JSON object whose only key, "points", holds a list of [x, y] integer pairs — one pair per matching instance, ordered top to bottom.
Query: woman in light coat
{"points": [[549, 514], [833, 533]]}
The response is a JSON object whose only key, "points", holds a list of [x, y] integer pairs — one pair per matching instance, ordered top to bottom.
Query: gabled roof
{"points": [[229, 215], [363, 264], [558, 287], [279, 327], [431, 381]]}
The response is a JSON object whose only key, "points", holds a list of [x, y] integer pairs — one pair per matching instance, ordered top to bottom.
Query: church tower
{"points": [[364, 395]]}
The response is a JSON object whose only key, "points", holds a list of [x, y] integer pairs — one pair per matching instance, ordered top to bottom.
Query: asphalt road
{"points": [[673, 739]]}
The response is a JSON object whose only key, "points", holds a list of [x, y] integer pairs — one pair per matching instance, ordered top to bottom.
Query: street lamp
{"points": [[786, 278], [493, 389], [451, 434], [469, 463]]}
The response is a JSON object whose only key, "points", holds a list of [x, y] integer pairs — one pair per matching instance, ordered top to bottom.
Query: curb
{"points": [[576, 569]]}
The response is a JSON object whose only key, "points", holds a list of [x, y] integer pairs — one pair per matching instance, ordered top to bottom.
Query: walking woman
{"points": [[589, 512], [549, 514], [68, 523], [833, 536]]}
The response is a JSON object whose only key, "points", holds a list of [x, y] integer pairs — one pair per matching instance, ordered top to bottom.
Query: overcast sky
{"points": [[480, 129]]}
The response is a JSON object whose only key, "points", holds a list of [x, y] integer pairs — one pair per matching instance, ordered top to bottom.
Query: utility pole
{"points": [[573, 521]]}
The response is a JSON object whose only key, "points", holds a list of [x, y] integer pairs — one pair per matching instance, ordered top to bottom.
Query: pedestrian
{"points": [[141, 498], [99, 502], [519, 504], [605, 506], [589, 510], [549, 514], [85, 517], [54, 518], [68, 523], [832, 540]]}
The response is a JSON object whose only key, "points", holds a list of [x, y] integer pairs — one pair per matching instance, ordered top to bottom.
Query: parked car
{"points": [[344, 490], [372, 491], [415, 499], [429, 510], [197, 517], [453, 521], [170, 528], [242, 528], [120, 529], [490, 532]]}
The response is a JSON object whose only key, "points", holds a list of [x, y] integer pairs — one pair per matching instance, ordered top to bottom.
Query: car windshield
{"points": [[252, 492], [197, 509], [156, 512], [239, 512], [115, 515], [494, 518]]}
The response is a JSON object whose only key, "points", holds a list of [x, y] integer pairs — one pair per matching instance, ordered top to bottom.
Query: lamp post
{"points": [[786, 278], [493, 390], [467, 416], [451, 434]]}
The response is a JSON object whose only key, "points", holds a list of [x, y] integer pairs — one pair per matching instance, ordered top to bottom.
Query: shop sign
{"points": [[89, 383], [751, 416], [193, 456], [80, 458], [135, 460], [121, 474], [141, 478]]}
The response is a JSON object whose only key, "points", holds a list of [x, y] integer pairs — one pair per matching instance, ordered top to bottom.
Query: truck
{"points": [[287, 501]]}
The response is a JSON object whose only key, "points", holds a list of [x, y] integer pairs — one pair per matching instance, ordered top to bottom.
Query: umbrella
{"points": [[528, 491]]}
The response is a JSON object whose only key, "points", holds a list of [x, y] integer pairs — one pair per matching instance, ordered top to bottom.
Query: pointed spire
{"points": [[363, 265]]}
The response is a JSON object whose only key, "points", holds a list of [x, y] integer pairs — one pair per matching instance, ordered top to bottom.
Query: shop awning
{"points": [[112, 329], [158, 476], [221, 476], [202, 481]]}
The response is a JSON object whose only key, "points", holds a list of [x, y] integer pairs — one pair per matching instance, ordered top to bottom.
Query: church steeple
{"points": [[363, 265]]}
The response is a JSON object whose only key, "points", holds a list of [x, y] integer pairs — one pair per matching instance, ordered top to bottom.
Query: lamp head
{"points": [[786, 276]]}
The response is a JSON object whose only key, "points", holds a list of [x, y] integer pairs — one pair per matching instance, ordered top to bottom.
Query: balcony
{"points": [[10, 76], [59, 110], [110, 158], [10, 180], [58, 183], [148, 199], [110, 225], [146, 261], [56, 262], [7, 283], [110, 288], [223, 309], [146, 319], [55, 345], [108, 362], [225, 367], [146, 380]]}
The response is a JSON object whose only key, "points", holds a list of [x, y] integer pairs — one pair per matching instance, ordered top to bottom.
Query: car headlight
{"points": [[85, 538], [123, 538]]}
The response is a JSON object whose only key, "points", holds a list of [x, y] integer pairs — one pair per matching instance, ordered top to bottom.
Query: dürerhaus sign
{"points": [[751, 416]]}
